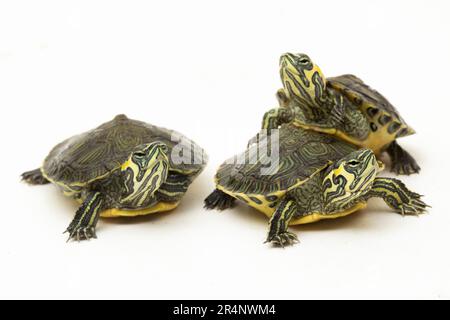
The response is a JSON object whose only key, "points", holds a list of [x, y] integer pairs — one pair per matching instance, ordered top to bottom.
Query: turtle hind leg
{"points": [[402, 161], [34, 177], [219, 200]]}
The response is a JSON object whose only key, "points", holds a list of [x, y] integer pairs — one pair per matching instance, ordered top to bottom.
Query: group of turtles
{"points": [[331, 132]]}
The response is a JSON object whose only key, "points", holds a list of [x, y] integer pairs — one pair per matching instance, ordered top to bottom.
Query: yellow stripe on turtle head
{"points": [[302, 78], [144, 172], [350, 177]]}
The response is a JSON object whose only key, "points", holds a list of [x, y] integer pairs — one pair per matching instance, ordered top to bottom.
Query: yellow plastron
{"points": [[160, 207]]}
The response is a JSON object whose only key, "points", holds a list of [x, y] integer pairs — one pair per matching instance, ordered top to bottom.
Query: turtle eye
{"points": [[304, 61], [139, 154], [354, 162]]}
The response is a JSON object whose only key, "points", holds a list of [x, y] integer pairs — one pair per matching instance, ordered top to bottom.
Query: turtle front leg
{"points": [[282, 97], [337, 113], [276, 117], [272, 120], [402, 161], [34, 177], [398, 196], [279, 223], [83, 225]]}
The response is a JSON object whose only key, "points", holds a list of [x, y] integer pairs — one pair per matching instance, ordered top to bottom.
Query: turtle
{"points": [[343, 106], [122, 168], [318, 176]]}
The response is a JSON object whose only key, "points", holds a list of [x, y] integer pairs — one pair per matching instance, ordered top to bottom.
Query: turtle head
{"points": [[302, 78], [144, 171], [350, 178]]}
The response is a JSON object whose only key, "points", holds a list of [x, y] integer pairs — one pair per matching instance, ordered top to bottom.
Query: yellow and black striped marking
{"points": [[303, 82], [343, 106], [121, 168], [144, 173], [319, 177], [349, 179], [173, 188], [398, 196], [86, 217], [279, 223]]}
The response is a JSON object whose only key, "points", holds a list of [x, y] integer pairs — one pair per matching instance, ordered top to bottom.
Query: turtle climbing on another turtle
{"points": [[342, 106], [122, 168], [318, 177]]}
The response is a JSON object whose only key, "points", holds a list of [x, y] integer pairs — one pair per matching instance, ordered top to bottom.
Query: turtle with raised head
{"points": [[342, 106], [122, 168], [317, 177]]}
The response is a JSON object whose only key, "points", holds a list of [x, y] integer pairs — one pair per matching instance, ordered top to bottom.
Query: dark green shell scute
{"points": [[353, 84], [372, 112], [384, 119], [393, 127], [402, 133], [96, 153], [301, 154], [271, 198], [255, 200]]}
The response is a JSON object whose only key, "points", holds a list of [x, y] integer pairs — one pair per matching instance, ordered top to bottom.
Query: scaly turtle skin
{"points": [[342, 106], [122, 168], [318, 177]]}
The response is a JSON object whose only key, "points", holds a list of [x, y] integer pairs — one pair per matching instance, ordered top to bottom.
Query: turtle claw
{"points": [[402, 161], [405, 168], [415, 206], [81, 233], [283, 239], [278, 241]]}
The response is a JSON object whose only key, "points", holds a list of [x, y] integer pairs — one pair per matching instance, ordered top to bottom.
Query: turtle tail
{"points": [[34, 177], [219, 200]]}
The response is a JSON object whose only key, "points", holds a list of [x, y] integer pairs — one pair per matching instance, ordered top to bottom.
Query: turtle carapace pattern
{"points": [[342, 106], [122, 168], [319, 177]]}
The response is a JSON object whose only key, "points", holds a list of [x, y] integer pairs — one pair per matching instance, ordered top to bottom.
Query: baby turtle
{"points": [[342, 106], [122, 168], [318, 177]]}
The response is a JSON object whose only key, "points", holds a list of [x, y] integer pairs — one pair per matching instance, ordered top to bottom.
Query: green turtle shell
{"points": [[375, 106], [302, 153], [94, 154]]}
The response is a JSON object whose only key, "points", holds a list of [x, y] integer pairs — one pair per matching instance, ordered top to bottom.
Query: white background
{"points": [[210, 70]]}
